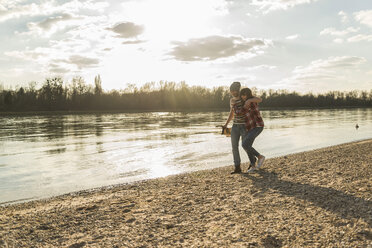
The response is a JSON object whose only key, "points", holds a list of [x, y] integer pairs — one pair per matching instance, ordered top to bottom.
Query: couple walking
{"points": [[247, 123]]}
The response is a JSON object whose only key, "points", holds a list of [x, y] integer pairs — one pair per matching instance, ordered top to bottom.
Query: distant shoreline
{"points": [[74, 112]]}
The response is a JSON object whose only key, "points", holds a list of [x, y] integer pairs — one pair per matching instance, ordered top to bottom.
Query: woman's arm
{"points": [[254, 99]]}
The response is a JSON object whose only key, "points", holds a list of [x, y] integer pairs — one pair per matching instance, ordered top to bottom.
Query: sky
{"points": [[301, 45]]}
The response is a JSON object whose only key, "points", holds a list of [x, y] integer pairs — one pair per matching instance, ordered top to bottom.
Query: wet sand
{"points": [[320, 198]]}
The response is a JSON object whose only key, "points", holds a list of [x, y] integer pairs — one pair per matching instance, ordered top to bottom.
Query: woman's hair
{"points": [[246, 92]]}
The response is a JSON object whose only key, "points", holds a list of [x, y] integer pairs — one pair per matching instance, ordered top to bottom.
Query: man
{"points": [[238, 128]]}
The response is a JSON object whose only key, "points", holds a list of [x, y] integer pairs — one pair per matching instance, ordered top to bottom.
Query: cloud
{"points": [[9, 3], [270, 5], [16, 10], [344, 16], [361, 16], [364, 17], [48, 23], [52, 24], [127, 30], [334, 32], [292, 37], [360, 37], [338, 40], [78, 42], [132, 42], [214, 47], [60, 49], [27, 54], [55, 61], [83, 62], [339, 62], [72, 63], [262, 67], [56, 68], [326, 69], [324, 74]]}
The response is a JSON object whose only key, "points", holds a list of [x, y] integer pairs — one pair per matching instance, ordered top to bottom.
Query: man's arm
{"points": [[231, 116]]}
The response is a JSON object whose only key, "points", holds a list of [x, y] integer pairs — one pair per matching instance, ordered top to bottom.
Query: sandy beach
{"points": [[320, 198]]}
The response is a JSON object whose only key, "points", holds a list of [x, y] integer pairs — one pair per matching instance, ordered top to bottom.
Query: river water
{"points": [[48, 155]]}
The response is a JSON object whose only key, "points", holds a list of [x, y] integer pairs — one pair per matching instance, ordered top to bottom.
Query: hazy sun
{"points": [[175, 19]]}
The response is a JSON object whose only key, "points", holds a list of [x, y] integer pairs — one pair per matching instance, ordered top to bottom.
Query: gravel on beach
{"points": [[319, 198]]}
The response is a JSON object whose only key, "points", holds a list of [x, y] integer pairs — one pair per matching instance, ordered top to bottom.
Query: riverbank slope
{"points": [[309, 199]]}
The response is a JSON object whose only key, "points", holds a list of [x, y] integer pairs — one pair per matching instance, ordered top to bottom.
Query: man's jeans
{"points": [[237, 130], [248, 142]]}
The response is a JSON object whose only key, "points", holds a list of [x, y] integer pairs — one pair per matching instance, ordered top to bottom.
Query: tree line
{"points": [[56, 95]]}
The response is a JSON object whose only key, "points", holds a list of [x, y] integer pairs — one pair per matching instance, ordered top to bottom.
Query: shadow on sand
{"points": [[344, 205]]}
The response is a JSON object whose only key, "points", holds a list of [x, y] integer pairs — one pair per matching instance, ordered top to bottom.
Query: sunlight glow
{"points": [[175, 19]]}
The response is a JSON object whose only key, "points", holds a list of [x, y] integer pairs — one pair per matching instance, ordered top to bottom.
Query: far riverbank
{"points": [[82, 112]]}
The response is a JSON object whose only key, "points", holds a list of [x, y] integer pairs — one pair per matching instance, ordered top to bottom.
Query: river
{"points": [[48, 155]]}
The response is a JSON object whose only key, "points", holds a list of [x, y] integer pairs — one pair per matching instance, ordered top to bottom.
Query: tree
{"points": [[97, 85], [81, 86], [52, 93], [8, 98]]}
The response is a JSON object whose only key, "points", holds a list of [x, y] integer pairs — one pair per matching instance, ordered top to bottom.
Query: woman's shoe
{"points": [[260, 162], [251, 168]]}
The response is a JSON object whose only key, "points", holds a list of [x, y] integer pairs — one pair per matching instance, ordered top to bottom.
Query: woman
{"points": [[254, 126]]}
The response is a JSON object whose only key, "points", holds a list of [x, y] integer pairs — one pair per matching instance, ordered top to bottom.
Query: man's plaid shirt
{"points": [[253, 117]]}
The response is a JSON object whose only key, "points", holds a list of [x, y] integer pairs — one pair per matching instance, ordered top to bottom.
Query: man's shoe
{"points": [[260, 162], [237, 171]]}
